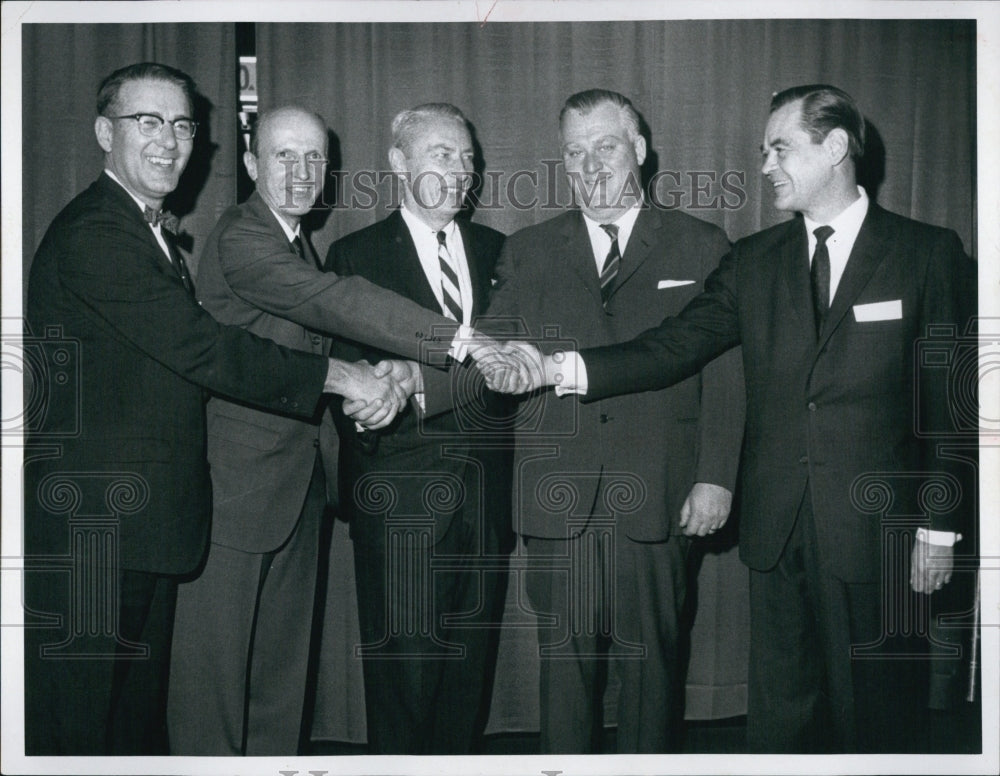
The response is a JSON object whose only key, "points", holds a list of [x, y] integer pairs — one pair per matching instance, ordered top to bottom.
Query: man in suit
{"points": [[830, 308], [643, 472], [441, 481], [116, 482], [242, 634]]}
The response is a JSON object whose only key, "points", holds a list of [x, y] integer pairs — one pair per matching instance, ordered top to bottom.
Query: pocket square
{"points": [[673, 283], [879, 311]]}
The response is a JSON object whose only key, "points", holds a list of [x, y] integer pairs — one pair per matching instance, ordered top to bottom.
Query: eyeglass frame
{"points": [[173, 124]]}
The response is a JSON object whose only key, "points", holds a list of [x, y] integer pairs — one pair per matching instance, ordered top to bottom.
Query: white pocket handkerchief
{"points": [[673, 283], [879, 311]]}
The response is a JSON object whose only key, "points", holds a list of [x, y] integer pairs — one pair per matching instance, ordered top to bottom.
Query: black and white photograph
{"points": [[500, 386]]}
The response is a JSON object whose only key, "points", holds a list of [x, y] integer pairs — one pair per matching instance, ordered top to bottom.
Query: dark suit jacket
{"points": [[384, 253], [146, 350], [827, 411], [655, 446]]}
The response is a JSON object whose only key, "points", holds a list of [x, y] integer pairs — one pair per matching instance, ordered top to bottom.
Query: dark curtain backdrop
{"points": [[62, 66], [703, 88]]}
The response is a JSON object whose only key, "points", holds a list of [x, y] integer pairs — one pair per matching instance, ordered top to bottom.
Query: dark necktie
{"points": [[168, 224], [297, 246], [611, 263], [819, 274], [450, 294]]}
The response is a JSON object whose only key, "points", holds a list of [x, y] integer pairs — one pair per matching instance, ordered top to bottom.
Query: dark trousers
{"points": [[615, 602], [429, 625], [242, 642], [808, 691], [94, 693]]}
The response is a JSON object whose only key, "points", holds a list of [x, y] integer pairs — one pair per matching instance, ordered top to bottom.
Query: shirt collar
{"points": [[142, 205], [625, 223], [847, 223], [418, 227], [290, 233]]}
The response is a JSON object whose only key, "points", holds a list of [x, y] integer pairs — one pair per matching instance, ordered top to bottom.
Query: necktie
{"points": [[163, 218], [169, 223], [297, 246], [611, 263], [819, 275], [450, 294]]}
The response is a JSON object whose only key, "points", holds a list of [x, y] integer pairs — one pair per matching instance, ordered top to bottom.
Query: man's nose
{"points": [[167, 138], [591, 163], [768, 164]]}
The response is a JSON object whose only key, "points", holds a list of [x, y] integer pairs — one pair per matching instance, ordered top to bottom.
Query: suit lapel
{"points": [[121, 200], [640, 244], [579, 254], [866, 255], [793, 263], [406, 266], [476, 275]]}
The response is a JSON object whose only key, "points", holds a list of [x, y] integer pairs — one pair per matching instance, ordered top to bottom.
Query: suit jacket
{"points": [[384, 253], [141, 352], [831, 410], [649, 449]]}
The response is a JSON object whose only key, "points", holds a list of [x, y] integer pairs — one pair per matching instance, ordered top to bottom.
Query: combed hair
{"points": [[107, 92], [586, 101], [825, 108], [265, 118], [406, 123]]}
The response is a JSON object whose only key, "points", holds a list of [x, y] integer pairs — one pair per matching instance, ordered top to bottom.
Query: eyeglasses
{"points": [[150, 125]]}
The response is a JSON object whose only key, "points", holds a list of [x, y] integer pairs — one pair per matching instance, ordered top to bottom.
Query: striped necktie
{"points": [[611, 263], [450, 294]]}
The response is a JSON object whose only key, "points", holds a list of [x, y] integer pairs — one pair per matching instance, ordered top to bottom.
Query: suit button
{"points": [[316, 339], [284, 400], [812, 406], [605, 418], [315, 443], [804, 459]]}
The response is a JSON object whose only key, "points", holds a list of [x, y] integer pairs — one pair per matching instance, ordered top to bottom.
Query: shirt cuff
{"points": [[460, 344], [567, 372], [938, 538]]}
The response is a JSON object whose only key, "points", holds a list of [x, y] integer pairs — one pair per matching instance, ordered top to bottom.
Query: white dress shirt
{"points": [[157, 233], [426, 242]]}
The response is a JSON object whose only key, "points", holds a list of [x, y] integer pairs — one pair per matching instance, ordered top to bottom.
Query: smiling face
{"points": [[602, 162], [290, 163], [149, 167], [436, 170], [802, 171]]}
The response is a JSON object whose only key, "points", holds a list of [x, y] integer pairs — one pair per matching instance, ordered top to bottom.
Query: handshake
{"points": [[374, 395]]}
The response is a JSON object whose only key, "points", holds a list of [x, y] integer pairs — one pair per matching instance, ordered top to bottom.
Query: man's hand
{"points": [[511, 367], [406, 374], [370, 400], [706, 509], [931, 566]]}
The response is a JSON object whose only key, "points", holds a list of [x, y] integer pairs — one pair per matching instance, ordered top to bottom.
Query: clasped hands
{"points": [[374, 395]]}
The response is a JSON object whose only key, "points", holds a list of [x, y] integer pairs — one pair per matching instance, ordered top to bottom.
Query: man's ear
{"points": [[104, 130], [837, 145], [640, 149], [397, 160], [250, 162]]}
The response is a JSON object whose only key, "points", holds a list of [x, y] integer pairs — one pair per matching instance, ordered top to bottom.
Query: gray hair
{"points": [[406, 124]]}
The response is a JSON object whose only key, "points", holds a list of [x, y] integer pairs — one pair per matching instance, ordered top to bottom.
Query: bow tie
{"points": [[162, 218]]}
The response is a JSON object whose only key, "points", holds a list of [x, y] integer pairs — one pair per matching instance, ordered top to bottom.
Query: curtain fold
{"points": [[62, 66], [702, 86]]}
